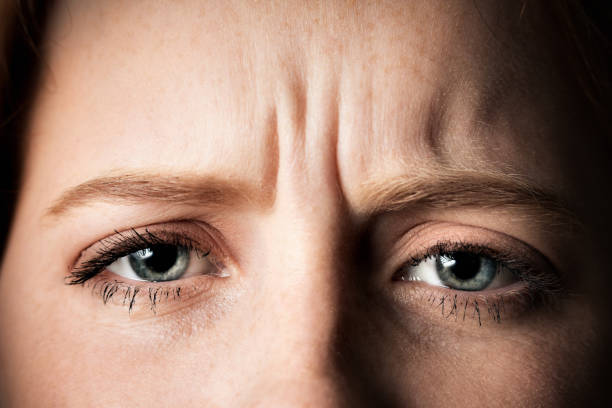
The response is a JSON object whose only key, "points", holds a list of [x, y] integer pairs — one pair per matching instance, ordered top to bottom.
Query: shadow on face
{"points": [[323, 204]]}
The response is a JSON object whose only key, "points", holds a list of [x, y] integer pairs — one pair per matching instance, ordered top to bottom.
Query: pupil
{"points": [[162, 259], [466, 265]]}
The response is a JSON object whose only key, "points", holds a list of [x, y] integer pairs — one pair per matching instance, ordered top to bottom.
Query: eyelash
{"points": [[123, 244], [541, 286]]}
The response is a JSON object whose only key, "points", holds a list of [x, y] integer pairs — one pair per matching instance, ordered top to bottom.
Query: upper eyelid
{"points": [[182, 228], [419, 240], [111, 242], [446, 246], [442, 247]]}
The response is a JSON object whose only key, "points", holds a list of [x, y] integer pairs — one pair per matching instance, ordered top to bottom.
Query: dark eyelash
{"points": [[123, 244], [447, 247], [539, 282], [544, 287]]}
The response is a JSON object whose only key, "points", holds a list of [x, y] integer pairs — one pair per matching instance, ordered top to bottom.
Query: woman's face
{"points": [[280, 204]]}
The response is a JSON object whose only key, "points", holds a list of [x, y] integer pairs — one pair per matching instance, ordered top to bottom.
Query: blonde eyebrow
{"points": [[132, 188], [442, 189], [450, 189]]}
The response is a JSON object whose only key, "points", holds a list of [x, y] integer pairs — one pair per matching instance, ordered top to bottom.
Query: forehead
{"points": [[384, 87]]}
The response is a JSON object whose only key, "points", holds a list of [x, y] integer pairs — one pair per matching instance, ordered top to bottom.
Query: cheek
{"points": [[35, 337], [537, 361]]}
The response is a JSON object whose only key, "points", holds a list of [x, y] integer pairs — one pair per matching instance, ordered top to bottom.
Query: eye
{"points": [[171, 252], [161, 263], [155, 266], [459, 270]]}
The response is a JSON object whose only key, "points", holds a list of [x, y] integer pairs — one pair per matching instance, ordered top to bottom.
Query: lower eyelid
{"points": [[417, 243], [538, 284], [144, 299], [479, 309]]}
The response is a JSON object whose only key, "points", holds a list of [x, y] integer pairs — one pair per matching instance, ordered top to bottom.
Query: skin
{"points": [[306, 107]]}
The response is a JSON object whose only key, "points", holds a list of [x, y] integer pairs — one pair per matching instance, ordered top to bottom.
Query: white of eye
{"points": [[424, 271]]}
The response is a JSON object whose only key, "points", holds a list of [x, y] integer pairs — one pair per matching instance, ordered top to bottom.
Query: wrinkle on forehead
{"points": [[395, 85], [458, 92], [123, 93]]}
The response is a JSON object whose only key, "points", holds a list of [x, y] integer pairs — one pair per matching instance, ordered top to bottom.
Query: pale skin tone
{"points": [[295, 138]]}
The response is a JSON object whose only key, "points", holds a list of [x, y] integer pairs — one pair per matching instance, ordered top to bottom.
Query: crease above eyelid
{"points": [[178, 228], [426, 235]]}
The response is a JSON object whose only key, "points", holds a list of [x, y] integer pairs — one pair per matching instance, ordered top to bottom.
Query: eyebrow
{"points": [[132, 188], [438, 189], [450, 189]]}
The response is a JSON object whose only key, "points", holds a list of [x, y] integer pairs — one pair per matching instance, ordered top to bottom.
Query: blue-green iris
{"points": [[160, 262], [466, 271]]}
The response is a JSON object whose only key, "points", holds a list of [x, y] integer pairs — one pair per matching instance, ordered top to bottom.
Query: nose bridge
{"points": [[309, 210], [304, 251], [305, 255], [302, 295]]}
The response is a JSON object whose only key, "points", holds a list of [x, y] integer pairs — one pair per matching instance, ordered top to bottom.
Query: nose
{"points": [[302, 280], [296, 304], [297, 311], [311, 326]]}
